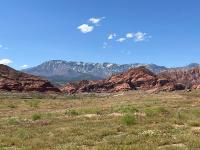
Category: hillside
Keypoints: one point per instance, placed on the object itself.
(134, 79)
(12, 80)
(190, 77)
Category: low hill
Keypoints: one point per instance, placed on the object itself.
(12, 80)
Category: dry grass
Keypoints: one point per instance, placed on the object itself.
(135, 120)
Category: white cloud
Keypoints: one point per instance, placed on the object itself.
(139, 37)
(96, 20)
(5, 61)
(121, 39)
(129, 35)
(112, 36)
(24, 66)
(85, 28)
(1, 46)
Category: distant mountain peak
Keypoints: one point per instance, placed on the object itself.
(62, 71)
(192, 65)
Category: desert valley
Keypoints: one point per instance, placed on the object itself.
(99, 75)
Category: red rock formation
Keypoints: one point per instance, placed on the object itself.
(12, 80)
(134, 79)
(188, 77)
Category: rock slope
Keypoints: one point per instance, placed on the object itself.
(134, 79)
(189, 77)
(12, 80)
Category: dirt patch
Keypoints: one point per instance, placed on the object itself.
(180, 145)
(91, 115)
(116, 114)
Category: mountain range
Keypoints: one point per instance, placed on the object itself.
(60, 71)
(136, 78)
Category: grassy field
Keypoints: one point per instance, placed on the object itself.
(135, 120)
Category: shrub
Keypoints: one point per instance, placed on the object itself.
(12, 121)
(129, 119)
(36, 116)
(11, 105)
(71, 112)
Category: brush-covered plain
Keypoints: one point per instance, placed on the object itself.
(133, 120)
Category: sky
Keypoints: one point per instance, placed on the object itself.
(118, 31)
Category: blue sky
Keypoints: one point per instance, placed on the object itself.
(119, 31)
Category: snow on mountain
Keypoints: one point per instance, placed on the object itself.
(72, 71)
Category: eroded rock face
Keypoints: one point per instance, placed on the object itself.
(12, 80)
(188, 77)
(134, 79)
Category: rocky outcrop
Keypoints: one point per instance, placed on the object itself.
(12, 80)
(188, 77)
(134, 79)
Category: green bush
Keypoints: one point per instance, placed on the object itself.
(129, 119)
(11, 105)
(71, 112)
(12, 121)
(36, 116)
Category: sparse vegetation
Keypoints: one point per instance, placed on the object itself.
(12, 121)
(36, 116)
(11, 105)
(71, 112)
(131, 121)
(33, 103)
(128, 109)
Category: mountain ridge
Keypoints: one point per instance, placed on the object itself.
(61, 71)
(57, 70)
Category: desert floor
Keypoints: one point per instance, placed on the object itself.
(133, 120)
